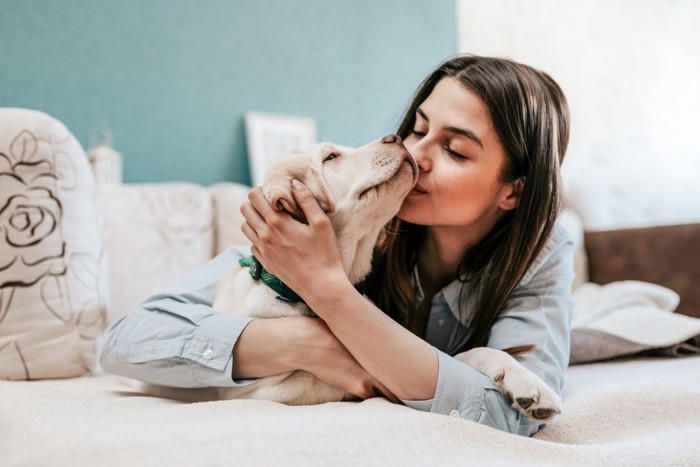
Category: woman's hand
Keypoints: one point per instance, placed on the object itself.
(273, 346)
(298, 254)
(324, 356)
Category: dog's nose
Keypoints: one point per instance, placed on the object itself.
(391, 139)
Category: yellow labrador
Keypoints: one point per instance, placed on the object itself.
(360, 190)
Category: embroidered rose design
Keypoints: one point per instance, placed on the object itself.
(30, 215)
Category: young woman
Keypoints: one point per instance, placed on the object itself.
(473, 258)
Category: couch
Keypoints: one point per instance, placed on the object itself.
(74, 257)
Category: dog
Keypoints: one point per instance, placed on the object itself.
(360, 190)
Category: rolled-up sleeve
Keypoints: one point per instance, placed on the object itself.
(538, 312)
(463, 392)
(177, 339)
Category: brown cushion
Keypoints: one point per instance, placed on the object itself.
(665, 255)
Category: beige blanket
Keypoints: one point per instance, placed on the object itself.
(644, 412)
(627, 317)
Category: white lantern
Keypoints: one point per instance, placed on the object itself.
(106, 162)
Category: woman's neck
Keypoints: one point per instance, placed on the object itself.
(440, 257)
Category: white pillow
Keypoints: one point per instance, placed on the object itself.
(53, 283)
(156, 234)
(228, 198)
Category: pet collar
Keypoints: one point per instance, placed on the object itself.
(258, 273)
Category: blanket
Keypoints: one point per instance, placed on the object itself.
(628, 317)
(638, 412)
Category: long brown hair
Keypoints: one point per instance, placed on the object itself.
(531, 118)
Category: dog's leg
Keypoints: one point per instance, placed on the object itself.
(525, 391)
(295, 388)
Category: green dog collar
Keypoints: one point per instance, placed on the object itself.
(258, 273)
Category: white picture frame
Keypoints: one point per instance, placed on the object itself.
(271, 136)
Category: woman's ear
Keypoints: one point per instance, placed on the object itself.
(511, 194)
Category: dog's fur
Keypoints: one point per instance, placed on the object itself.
(360, 190)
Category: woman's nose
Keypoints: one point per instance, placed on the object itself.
(419, 153)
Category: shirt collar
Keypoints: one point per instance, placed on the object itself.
(450, 294)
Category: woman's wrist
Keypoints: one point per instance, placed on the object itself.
(267, 347)
(327, 289)
(299, 331)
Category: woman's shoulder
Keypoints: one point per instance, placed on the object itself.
(556, 256)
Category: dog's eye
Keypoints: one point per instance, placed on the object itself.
(331, 156)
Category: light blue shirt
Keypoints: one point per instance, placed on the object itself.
(177, 339)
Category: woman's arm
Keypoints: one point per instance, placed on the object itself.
(403, 362)
(538, 312)
(176, 339)
(269, 346)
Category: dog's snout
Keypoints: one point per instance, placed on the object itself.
(391, 139)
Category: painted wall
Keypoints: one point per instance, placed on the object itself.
(631, 72)
(173, 79)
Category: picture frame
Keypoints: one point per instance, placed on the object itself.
(271, 136)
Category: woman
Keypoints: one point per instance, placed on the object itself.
(473, 258)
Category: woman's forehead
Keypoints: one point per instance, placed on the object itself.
(452, 104)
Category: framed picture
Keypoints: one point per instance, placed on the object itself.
(271, 136)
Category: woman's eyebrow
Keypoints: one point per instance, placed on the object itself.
(459, 131)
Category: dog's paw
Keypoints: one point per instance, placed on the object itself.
(527, 393)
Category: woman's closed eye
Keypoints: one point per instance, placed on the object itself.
(418, 133)
(456, 155)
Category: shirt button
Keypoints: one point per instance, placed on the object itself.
(209, 354)
(454, 413)
(440, 322)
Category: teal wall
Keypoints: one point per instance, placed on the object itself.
(172, 79)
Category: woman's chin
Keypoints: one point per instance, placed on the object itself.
(410, 213)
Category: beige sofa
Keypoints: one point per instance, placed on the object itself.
(73, 259)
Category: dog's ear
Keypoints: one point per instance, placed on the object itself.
(317, 185)
(277, 186)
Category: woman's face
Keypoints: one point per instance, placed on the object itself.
(460, 159)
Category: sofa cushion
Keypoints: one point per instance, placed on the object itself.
(664, 255)
(156, 234)
(227, 198)
(53, 278)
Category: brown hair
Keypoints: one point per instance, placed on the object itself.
(531, 118)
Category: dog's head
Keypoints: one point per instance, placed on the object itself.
(367, 184)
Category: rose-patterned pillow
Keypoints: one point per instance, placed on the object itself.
(53, 283)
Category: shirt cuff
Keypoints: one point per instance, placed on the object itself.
(209, 353)
(463, 392)
(459, 391)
